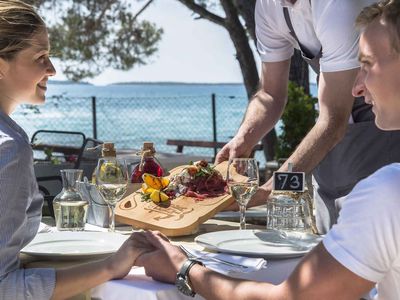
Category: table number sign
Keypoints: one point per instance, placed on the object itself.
(289, 181)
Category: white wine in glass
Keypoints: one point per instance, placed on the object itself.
(111, 181)
(242, 179)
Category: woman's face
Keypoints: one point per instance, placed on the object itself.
(24, 78)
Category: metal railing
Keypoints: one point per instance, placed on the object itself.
(128, 121)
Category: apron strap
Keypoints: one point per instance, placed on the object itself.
(303, 49)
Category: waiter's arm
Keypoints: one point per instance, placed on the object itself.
(264, 110)
(335, 104)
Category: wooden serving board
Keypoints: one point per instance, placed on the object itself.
(178, 217)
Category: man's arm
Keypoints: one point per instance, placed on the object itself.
(263, 111)
(335, 104)
(318, 276)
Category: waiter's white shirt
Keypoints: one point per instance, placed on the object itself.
(325, 23)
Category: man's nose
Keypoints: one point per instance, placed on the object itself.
(358, 86)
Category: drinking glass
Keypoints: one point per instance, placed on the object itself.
(111, 181)
(242, 179)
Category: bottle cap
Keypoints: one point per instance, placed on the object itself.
(148, 149)
(108, 150)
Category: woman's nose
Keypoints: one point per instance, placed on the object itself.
(51, 71)
(359, 86)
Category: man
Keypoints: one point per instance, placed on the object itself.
(324, 31)
(363, 249)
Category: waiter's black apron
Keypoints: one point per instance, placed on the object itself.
(363, 150)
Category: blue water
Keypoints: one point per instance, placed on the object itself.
(131, 114)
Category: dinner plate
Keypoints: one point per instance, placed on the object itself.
(259, 243)
(69, 245)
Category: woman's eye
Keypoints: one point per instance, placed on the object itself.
(42, 58)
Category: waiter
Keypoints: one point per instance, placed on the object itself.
(344, 146)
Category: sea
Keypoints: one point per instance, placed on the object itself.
(129, 114)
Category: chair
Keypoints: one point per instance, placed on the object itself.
(57, 145)
(55, 150)
(48, 197)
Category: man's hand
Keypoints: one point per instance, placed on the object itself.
(234, 148)
(161, 260)
(122, 261)
(259, 198)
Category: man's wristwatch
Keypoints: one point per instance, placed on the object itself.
(182, 280)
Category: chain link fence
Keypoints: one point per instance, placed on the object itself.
(129, 121)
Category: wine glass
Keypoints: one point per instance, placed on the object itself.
(111, 181)
(242, 180)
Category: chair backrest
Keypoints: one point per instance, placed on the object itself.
(63, 145)
(48, 197)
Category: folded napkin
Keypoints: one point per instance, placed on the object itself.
(250, 264)
(43, 228)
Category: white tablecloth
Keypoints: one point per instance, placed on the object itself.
(138, 286)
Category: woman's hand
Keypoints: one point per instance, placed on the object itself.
(121, 262)
(164, 260)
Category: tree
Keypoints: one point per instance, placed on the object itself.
(89, 36)
(238, 20)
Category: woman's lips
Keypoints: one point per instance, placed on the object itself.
(43, 87)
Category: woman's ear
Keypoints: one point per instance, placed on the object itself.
(4, 65)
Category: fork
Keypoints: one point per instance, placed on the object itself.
(214, 259)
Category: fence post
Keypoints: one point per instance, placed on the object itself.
(214, 123)
(94, 117)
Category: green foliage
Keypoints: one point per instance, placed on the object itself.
(49, 156)
(89, 36)
(298, 118)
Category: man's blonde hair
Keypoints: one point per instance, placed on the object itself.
(19, 21)
(389, 12)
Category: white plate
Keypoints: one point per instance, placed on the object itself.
(69, 245)
(268, 243)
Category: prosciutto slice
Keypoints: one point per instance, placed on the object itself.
(206, 186)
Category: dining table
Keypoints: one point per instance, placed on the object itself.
(136, 285)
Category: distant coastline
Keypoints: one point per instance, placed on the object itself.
(174, 83)
(68, 82)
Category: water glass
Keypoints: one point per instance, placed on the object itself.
(289, 211)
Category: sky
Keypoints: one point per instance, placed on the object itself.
(190, 51)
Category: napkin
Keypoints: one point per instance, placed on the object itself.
(252, 264)
(43, 228)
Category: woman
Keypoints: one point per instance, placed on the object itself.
(24, 71)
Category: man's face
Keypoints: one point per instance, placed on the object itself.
(379, 77)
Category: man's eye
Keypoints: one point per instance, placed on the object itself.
(365, 63)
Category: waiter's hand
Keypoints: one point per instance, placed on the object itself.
(234, 148)
(259, 198)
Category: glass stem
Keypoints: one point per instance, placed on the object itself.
(112, 224)
(242, 217)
